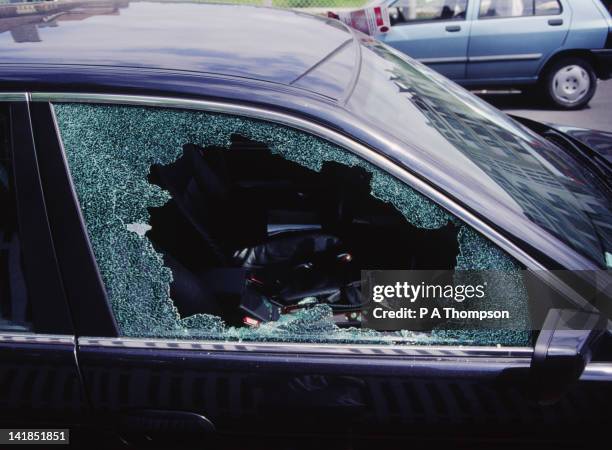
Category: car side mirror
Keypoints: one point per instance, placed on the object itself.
(563, 349)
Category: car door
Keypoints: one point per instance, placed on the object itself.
(150, 371)
(39, 381)
(510, 39)
(435, 32)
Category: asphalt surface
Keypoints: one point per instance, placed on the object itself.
(597, 116)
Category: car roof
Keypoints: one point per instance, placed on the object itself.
(263, 44)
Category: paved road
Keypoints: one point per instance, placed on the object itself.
(598, 115)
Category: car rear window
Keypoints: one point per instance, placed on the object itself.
(546, 7)
(518, 8)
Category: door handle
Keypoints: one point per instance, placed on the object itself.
(555, 22)
(453, 28)
(151, 420)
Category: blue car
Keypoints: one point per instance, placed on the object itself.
(560, 47)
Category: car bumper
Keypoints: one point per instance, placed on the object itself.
(603, 63)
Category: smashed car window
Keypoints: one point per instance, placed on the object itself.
(213, 226)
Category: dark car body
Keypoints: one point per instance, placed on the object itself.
(75, 370)
(599, 141)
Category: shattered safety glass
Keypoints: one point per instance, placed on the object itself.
(175, 203)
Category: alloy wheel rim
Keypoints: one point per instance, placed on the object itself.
(571, 84)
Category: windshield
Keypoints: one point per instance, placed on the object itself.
(481, 153)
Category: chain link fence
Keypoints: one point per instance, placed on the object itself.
(299, 4)
(316, 6)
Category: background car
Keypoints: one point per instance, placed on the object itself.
(187, 205)
(560, 47)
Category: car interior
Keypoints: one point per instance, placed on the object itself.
(249, 235)
(505, 8)
(405, 12)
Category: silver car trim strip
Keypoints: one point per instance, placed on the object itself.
(462, 59)
(519, 57)
(328, 349)
(13, 96)
(450, 59)
(597, 372)
(33, 338)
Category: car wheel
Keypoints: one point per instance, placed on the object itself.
(571, 83)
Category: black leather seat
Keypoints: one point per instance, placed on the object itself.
(288, 248)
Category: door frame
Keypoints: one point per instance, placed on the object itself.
(103, 324)
(105, 358)
(41, 382)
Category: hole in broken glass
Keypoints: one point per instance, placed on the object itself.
(259, 241)
(250, 236)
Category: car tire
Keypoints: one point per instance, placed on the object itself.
(570, 83)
